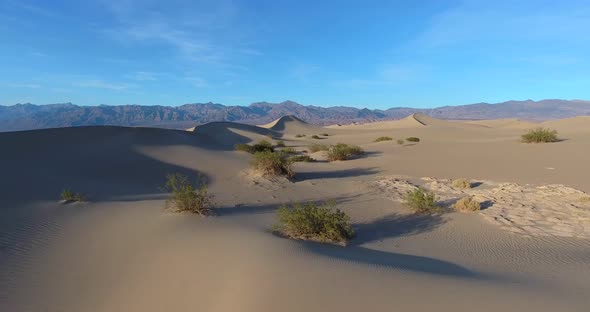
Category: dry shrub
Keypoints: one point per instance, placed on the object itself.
(301, 158)
(413, 139)
(185, 197)
(272, 164)
(316, 147)
(383, 138)
(422, 201)
(343, 151)
(467, 204)
(69, 196)
(461, 184)
(540, 135)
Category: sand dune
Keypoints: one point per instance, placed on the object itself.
(529, 250)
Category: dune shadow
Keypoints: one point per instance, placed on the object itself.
(475, 184)
(395, 225)
(486, 204)
(313, 175)
(397, 261)
(219, 135)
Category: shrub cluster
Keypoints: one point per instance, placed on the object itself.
(325, 134)
(312, 222)
(315, 136)
(289, 150)
(383, 138)
(68, 195)
(422, 201)
(185, 197)
(315, 147)
(413, 139)
(280, 143)
(262, 146)
(343, 151)
(461, 184)
(269, 163)
(540, 135)
(467, 204)
(301, 158)
(300, 135)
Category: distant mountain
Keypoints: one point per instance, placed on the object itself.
(30, 116)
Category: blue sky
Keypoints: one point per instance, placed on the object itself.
(375, 54)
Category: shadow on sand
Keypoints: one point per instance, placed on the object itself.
(356, 172)
(395, 225)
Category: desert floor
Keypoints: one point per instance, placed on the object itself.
(528, 250)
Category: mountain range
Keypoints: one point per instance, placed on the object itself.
(29, 116)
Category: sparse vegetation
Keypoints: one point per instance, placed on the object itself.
(315, 147)
(422, 201)
(289, 150)
(310, 221)
(383, 138)
(400, 141)
(185, 197)
(343, 151)
(325, 134)
(280, 143)
(413, 139)
(302, 158)
(300, 135)
(315, 136)
(69, 196)
(467, 204)
(540, 135)
(585, 199)
(261, 146)
(269, 163)
(461, 184)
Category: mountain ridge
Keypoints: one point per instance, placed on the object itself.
(28, 116)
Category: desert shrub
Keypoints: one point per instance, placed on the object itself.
(400, 141)
(413, 139)
(461, 184)
(315, 147)
(315, 136)
(383, 138)
(280, 143)
(421, 201)
(585, 199)
(540, 135)
(325, 134)
(272, 164)
(289, 150)
(343, 151)
(68, 195)
(467, 204)
(314, 222)
(300, 135)
(301, 158)
(185, 197)
(261, 146)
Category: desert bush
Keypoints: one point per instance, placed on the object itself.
(585, 199)
(461, 184)
(272, 164)
(244, 148)
(301, 158)
(310, 221)
(288, 150)
(343, 151)
(383, 138)
(300, 135)
(400, 141)
(185, 197)
(413, 139)
(315, 147)
(325, 134)
(467, 204)
(315, 136)
(280, 143)
(421, 201)
(68, 195)
(261, 146)
(540, 135)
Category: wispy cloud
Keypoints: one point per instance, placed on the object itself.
(21, 85)
(304, 71)
(197, 82)
(32, 9)
(144, 76)
(100, 84)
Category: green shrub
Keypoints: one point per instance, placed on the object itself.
(244, 148)
(300, 135)
(421, 201)
(261, 146)
(309, 221)
(315, 147)
(383, 138)
(272, 164)
(185, 197)
(281, 143)
(467, 204)
(302, 158)
(68, 195)
(461, 184)
(343, 151)
(289, 150)
(540, 135)
(315, 137)
(400, 141)
(413, 139)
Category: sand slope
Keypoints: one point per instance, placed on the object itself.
(120, 252)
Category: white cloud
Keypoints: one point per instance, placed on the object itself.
(144, 76)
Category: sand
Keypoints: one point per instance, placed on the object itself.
(529, 250)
